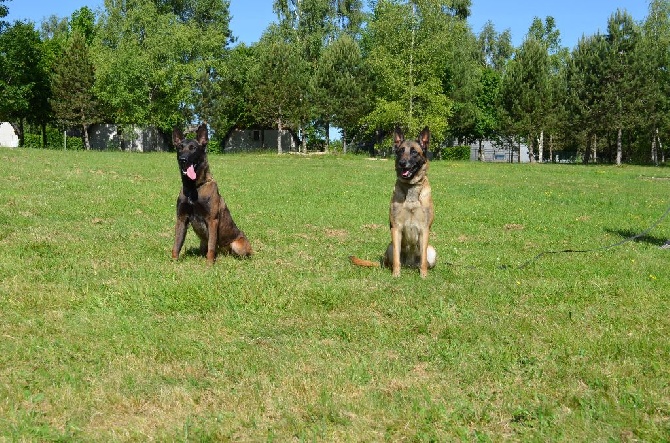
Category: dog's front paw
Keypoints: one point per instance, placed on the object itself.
(211, 256)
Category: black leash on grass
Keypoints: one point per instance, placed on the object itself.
(602, 248)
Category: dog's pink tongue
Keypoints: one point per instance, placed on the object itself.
(406, 174)
(190, 172)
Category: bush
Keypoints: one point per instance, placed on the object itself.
(454, 153)
(32, 140)
(73, 143)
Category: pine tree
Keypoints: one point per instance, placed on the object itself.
(73, 102)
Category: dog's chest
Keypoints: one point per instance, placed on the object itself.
(199, 225)
(409, 206)
(199, 211)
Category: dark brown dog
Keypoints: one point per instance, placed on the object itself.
(411, 212)
(200, 204)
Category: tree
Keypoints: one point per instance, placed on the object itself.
(585, 86)
(550, 37)
(309, 25)
(83, 23)
(621, 79)
(409, 67)
(3, 13)
(463, 83)
(655, 65)
(24, 85)
(495, 48)
(524, 90)
(494, 52)
(150, 57)
(278, 82)
(73, 101)
(340, 86)
(225, 101)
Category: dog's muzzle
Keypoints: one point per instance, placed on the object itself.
(188, 169)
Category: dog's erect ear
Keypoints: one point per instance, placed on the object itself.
(201, 135)
(398, 137)
(177, 136)
(424, 139)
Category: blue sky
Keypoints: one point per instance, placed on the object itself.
(250, 17)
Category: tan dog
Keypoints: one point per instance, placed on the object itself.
(200, 204)
(411, 212)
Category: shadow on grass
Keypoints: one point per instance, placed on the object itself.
(649, 239)
(192, 252)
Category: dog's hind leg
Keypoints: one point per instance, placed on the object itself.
(203, 246)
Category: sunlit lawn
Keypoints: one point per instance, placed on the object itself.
(104, 338)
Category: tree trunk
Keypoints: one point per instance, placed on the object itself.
(654, 152)
(540, 147)
(279, 129)
(84, 136)
(587, 150)
(660, 147)
(480, 152)
(551, 148)
(303, 141)
(531, 150)
(619, 147)
(344, 141)
(325, 149)
(595, 149)
(44, 135)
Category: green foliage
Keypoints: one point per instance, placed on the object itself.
(525, 88)
(105, 338)
(83, 23)
(32, 141)
(226, 100)
(452, 153)
(23, 79)
(279, 82)
(149, 59)
(340, 86)
(327, 63)
(406, 66)
(73, 102)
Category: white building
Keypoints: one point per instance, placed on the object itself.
(8, 137)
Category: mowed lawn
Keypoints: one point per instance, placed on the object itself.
(104, 338)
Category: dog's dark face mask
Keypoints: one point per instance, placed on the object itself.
(410, 154)
(191, 154)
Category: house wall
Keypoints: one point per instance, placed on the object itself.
(256, 139)
(8, 137)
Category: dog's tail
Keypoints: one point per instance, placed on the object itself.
(366, 263)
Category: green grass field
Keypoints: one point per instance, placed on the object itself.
(104, 338)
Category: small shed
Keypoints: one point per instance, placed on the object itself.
(254, 139)
(498, 151)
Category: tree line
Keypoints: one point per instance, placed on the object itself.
(363, 69)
